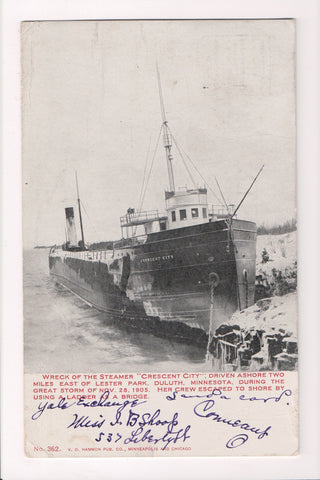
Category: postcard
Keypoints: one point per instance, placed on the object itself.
(159, 226)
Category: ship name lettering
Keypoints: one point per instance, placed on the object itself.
(156, 259)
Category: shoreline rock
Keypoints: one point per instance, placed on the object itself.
(264, 336)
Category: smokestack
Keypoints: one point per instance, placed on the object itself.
(71, 227)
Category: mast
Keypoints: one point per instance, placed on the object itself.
(166, 137)
(244, 196)
(80, 216)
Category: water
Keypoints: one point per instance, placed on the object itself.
(63, 334)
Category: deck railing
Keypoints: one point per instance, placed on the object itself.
(97, 255)
(220, 211)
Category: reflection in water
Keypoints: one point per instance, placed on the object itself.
(63, 334)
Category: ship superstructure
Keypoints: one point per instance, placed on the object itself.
(165, 264)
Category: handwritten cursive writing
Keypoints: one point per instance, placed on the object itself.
(152, 426)
(171, 433)
(85, 421)
(286, 393)
(148, 419)
(237, 440)
(63, 404)
(102, 402)
(216, 392)
(167, 438)
(204, 410)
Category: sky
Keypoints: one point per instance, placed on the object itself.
(90, 103)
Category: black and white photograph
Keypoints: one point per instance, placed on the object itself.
(159, 196)
(160, 242)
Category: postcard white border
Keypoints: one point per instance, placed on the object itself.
(14, 463)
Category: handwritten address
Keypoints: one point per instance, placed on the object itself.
(135, 422)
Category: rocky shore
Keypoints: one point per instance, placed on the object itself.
(264, 336)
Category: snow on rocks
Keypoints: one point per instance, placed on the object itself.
(264, 336)
(270, 315)
(276, 252)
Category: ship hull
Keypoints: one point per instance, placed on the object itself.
(184, 275)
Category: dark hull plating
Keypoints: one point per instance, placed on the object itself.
(168, 275)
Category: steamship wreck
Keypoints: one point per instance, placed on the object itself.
(193, 264)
